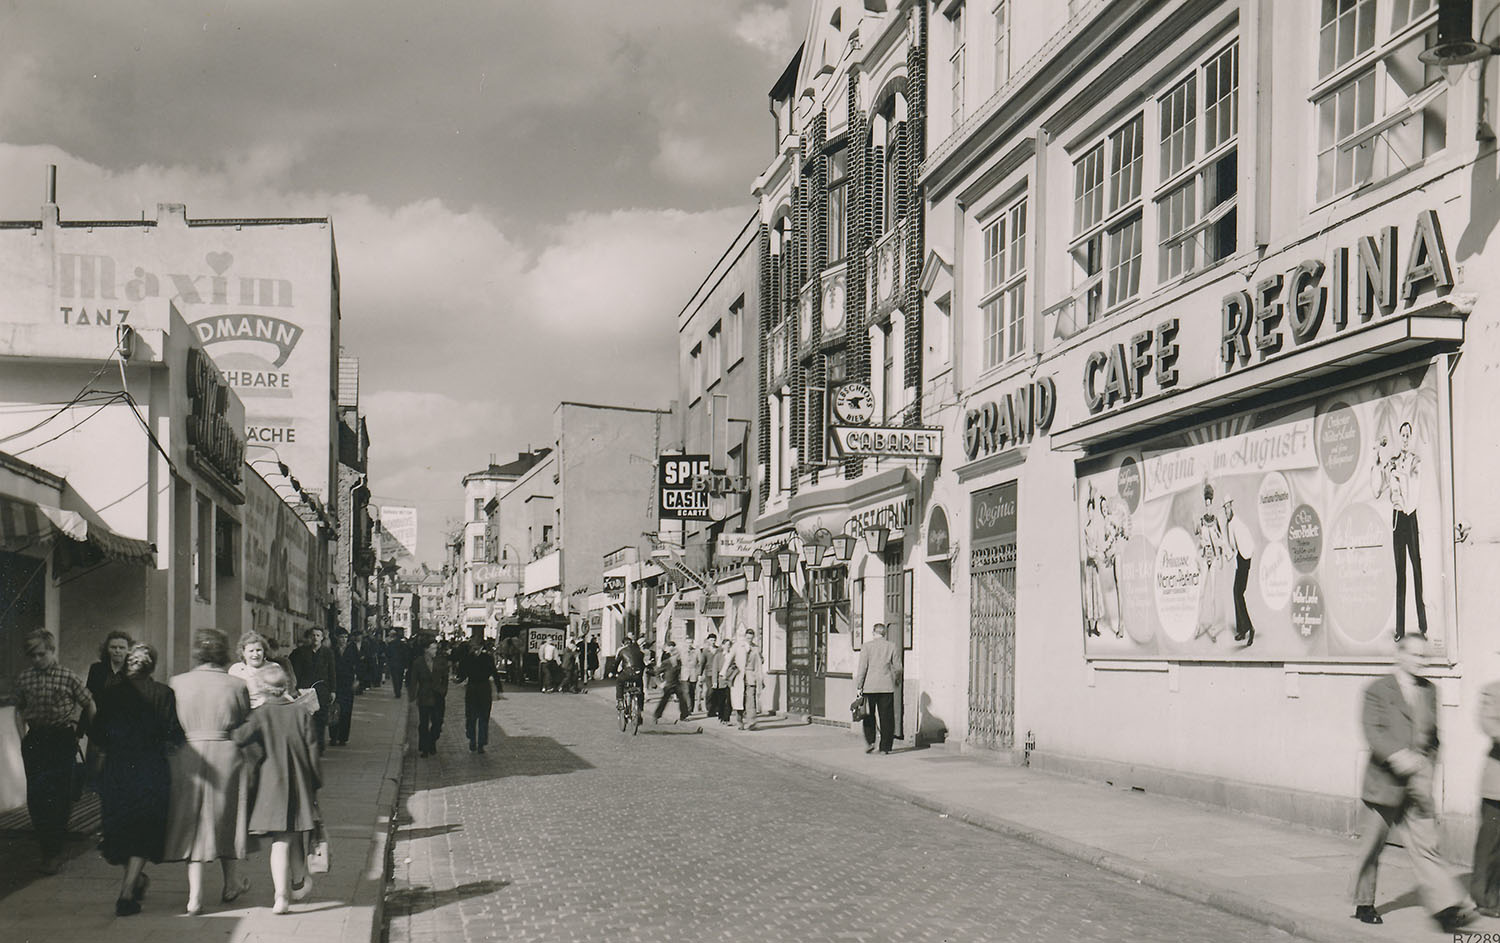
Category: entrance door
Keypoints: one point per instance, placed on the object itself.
(992, 658)
(818, 689)
(896, 627)
(799, 659)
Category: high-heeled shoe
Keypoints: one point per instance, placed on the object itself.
(231, 895)
(194, 908)
(300, 891)
(126, 907)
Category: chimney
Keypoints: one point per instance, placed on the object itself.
(49, 208)
(175, 213)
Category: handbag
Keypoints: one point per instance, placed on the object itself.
(321, 855)
(859, 709)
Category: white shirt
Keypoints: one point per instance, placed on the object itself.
(548, 652)
(1241, 540)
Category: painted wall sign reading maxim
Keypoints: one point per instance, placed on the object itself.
(1011, 419)
(1313, 294)
(95, 277)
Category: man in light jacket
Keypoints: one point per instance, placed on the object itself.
(876, 678)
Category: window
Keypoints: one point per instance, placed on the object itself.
(1199, 166)
(478, 509)
(478, 549)
(1380, 109)
(1107, 217)
(956, 66)
(938, 338)
(734, 348)
(885, 134)
(203, 551)
(1002, 299)
(713, 355)
(1001, 19)
(889, 384)
(837, 205)
(695, 373)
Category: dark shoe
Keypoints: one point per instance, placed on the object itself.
(479, 749)
(230, 895)
(471, 746)
(125, 907)
(1400, 635)
(869, 748)
(1452, 919)
(1365, 913)
(1249, 638)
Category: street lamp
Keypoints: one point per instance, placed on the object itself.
(1456, 48)
(843, 547)
(812, 553)
(875, 537)
(786, 558)
(752, 570)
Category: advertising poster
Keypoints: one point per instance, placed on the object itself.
(1305, 532)
(677, 498)
(280, 564)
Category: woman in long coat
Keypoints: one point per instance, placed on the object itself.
(286, 804)
(135, 727)
(207, 815)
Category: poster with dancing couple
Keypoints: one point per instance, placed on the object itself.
(1305, 531)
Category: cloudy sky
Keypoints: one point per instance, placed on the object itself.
(544, 182)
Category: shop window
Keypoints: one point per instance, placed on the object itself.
(1002, 301)
(1379, 108)
(203, 550)
(1196, 194)
(836, 204)
(1107, 218)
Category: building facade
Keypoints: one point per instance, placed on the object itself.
(843, 465)
(1220, 307)
(479, 548)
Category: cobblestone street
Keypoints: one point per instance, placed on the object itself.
(567, 829)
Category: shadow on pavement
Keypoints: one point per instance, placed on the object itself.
(430, 831)
(421, 898)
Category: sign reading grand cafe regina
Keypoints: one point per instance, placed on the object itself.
(1293, 530)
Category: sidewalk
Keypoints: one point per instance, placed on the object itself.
(1288, 877)
(357, 799)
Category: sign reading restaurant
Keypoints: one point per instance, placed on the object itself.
(1281, 312)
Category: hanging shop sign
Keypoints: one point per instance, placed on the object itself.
(992, 528)
(1144, 365)
(939, 540)
(715, 607)
(614, 588)
(685, 607)
(215, 447)
(1280, 313)
(735, 545)
(1301, 525)
(1012, 419)
(677, 499)
(897, 442)
(853, 404)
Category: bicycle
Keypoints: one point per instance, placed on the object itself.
(631, 708)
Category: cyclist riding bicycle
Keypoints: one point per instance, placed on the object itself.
(630, 664)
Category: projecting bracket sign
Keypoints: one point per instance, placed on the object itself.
(894, 441)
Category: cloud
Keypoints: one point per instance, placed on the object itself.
(767, 28)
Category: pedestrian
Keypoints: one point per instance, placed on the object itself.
(398, 656)
(312, 664)
(428, 686)
(106, 671)
(876, 679)
(478, 671)
(252, 649)
(274, 655)
(206, 814)
(135, 727)
(285, 807)
(1484, 884)
(703, 655)
(53, 707)
(1400, 725)
(744, 686)
(724, 668)
(593, 656)
(569, 657)
(670, 675)
(691, 671)
(346, 661)
(547, 665)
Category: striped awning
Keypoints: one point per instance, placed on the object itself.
(26, 524)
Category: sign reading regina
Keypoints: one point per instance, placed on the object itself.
(920, 442)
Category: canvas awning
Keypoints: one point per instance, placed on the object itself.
(25, 524)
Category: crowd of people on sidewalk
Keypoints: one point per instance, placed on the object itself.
(219, 762)
(713, 677)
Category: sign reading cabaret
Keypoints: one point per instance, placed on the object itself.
(899, 442)
(214, 446)
(1299, 522)
(1281, 312)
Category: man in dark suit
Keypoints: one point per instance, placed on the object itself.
(312, 662)
(427, 684)
(1400, 721)
(1484, 885)
(876, 679)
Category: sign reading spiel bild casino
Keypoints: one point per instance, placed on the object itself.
(1318, 524)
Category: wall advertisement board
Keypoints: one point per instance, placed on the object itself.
(1317, 523)
(282, 564)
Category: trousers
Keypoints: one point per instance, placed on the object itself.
(1405, 541)
(881, 706)
(430, 725)
(1437, 885)
(1484, 885)
(1242, 624)
(47, 755)
(669, 691)
(477, 717)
